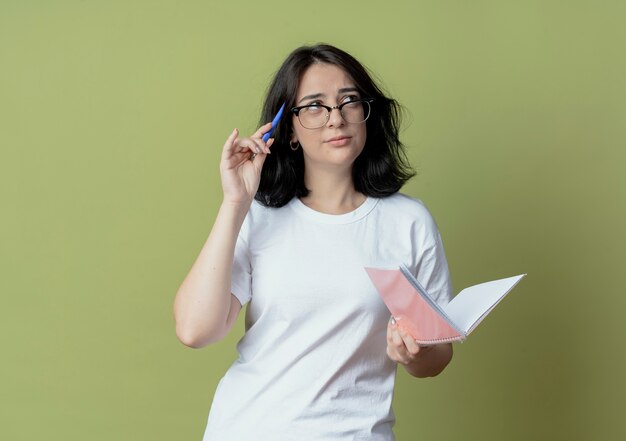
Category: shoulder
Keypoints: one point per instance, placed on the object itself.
(259, 212)
(261, 218)
(405, 211)
(399, 204)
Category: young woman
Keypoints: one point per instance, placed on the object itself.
(302, 215)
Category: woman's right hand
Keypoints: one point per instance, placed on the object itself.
(241, 164)
(205, 308)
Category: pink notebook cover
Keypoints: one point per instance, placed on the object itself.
(410, 309)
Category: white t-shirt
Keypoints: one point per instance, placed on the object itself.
(312, 364)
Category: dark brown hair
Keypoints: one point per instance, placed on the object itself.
(382, 167)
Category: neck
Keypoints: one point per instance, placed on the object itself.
(331, 193)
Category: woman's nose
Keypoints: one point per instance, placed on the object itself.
(335, 119)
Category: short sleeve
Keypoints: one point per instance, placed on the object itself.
(431, 265)
(241, 276)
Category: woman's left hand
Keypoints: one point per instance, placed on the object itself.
(419, 361)
(401, 347)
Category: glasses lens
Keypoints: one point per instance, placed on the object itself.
(355, 112)
(313, 117)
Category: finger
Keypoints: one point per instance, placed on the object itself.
(409, 342)
(262, 145)
(390, 328)
(235, 155)
(399, 339)
(393, 336)
(262, 130)
(258, 160)
(397, 355)
(396, 339)
(255, 145)
(230, 145)
(392, 354)
(259, 145)
(235, 161)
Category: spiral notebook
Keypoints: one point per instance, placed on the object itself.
(425, 320)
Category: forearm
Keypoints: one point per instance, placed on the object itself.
(430, 361)
(203, 301)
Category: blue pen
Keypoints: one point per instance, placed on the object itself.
(275, 122)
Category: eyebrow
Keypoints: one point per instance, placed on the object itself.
(321, 95)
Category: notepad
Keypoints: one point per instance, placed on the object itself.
(423, 318)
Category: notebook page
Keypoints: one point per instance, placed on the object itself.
(472, 304)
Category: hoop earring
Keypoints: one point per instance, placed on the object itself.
(294, 145)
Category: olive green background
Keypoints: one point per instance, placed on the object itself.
(113, 114)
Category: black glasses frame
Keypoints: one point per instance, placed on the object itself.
(296, 110)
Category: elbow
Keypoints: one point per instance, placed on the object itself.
(190, 340)
(197, 329)
(195, 339)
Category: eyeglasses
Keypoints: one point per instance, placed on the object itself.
(314, 116)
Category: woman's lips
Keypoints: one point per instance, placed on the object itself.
(339, 141)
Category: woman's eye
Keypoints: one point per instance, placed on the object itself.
(350, 98)
(313, 107)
